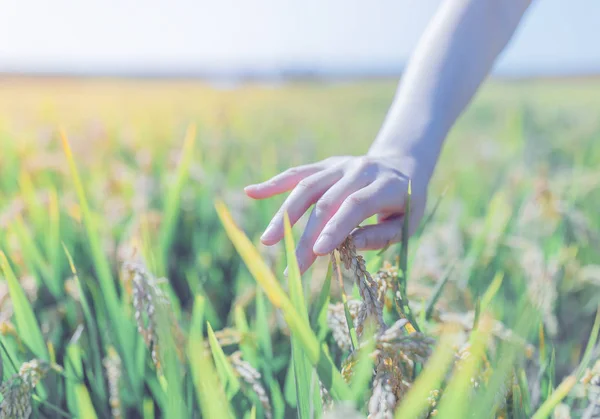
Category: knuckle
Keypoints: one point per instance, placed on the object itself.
(323, 206)
(359, 204)
(305, 184)
(365, 163)
(357, 201)
(393, 183)
(292, 171)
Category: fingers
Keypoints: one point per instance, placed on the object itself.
(306, 193)
(378, 236)
(324, 209)
(379, 197)
(283, 182)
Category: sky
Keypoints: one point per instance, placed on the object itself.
(110, 36)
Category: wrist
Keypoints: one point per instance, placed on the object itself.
(417, 159)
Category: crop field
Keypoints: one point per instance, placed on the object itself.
(133, 283)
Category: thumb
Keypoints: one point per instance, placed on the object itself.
(378, 236)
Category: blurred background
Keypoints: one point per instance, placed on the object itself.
(270, 84)
(269, 39)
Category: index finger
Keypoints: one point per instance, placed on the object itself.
(282, 182)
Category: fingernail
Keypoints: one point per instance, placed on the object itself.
(269, 233)
(322, 245)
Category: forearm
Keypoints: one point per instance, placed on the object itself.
(451, 60)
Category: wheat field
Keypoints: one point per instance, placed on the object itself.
(133, 283)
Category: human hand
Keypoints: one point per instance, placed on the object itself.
(346, 191)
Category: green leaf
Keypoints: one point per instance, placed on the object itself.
(84, 402)
(363, 370)
(302, 367)
(29, 328)
(247, 345)
(507, 355)
(437, 292)
(587, 355)
(226, 373)
(277, 400)
(209, 389)
(415, 401)
(328, 373)
(261, 325)
(124, 329)
(455, 402)
(168, 352)
(401, 297)
(173, 200)
(27, 191)
(347, 315)
(524, 387)
(92, 330)
(53, 243)
(148, 409)
(289, 387)
(74, 368)
(33, 256)
(561, 392)
(322, 302)
(492, 290)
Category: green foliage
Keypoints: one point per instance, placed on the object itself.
(503, 271)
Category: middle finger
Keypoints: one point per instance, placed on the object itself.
(324, 209)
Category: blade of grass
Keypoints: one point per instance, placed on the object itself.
(437, 292)
(10, 352)
(524, 386)
(561, 392)
(550, 373)
(29, 328)
(542, 344)
(92, 330)
(347, 315)
(508, 354)
(322, 301)
(401, 297)
(289, 387)
(434, 210)
(84, 402)
(492, 290)
(124, 330)
(226, 373)
(27, 190)
(55, 409)
(301, 364)
(261, 326)
(209, 390)
(148, 409)
(455, 402)
(516, 400)
(247, 345)
(362, 372)
(261, 329)
(158, 394)
(587, 355)
(415, 402)
(31, 253)
(53, 242)
(170, 365)
(72, 368)
(173, 200)
(328, 373)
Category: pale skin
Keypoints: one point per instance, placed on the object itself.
(452, 59)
